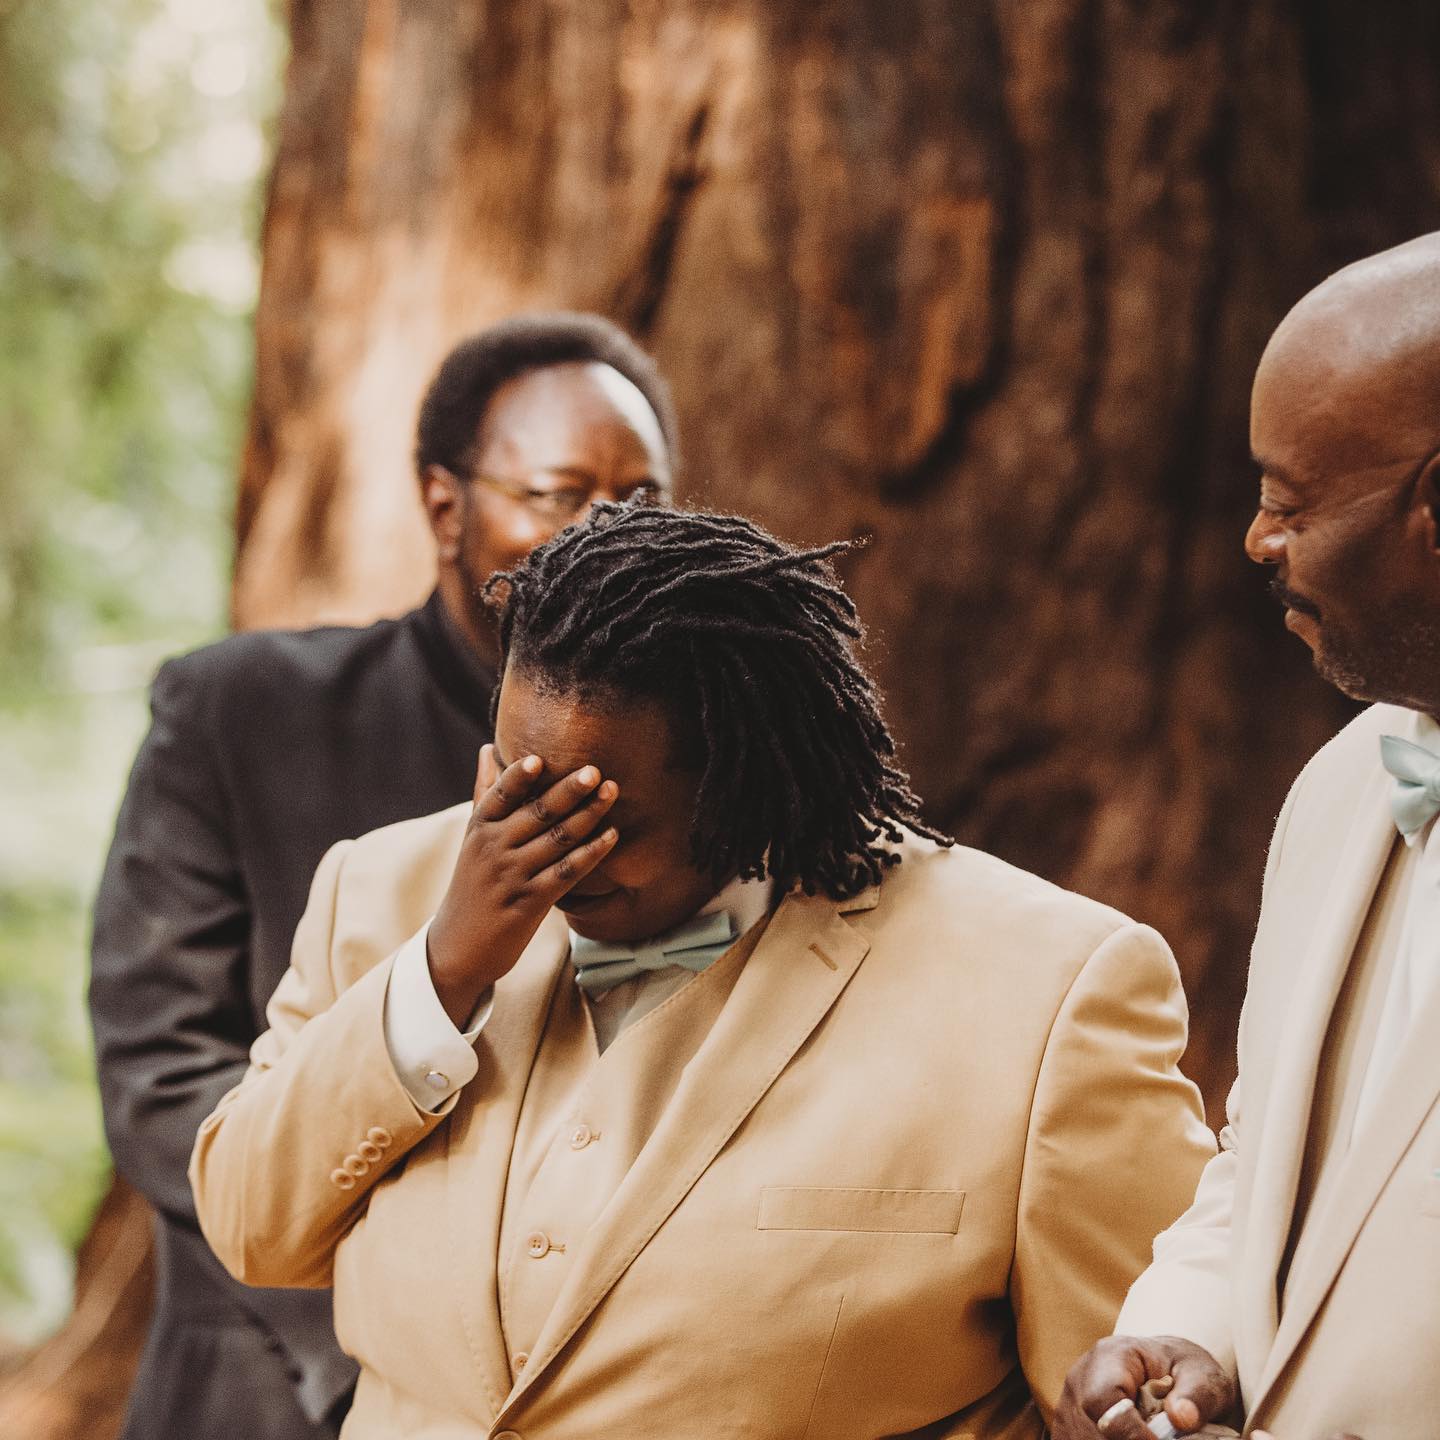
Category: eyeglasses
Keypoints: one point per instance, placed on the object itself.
(567, 502)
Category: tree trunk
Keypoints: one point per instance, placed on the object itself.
(983, 281)
(77, 1382)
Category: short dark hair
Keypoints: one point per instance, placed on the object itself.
(749, 644)
(469, 376)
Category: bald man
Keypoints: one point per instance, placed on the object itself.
(1299, 1297)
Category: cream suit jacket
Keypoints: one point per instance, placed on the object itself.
(915, 1164)
(1356, 1346)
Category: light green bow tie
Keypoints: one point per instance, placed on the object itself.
(697, 943)
(1415, 795)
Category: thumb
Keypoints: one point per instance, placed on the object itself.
(1201, 1391)
(486, 772)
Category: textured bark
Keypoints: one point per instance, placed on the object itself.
(76, 1383)
(982, 282)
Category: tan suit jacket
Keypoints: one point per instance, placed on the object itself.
(913, 1166)
(1354, 1347)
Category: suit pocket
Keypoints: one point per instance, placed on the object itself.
(884, 1212)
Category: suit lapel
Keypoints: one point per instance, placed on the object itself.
(803, 961)
(481, 1135)
(1408, 1096)
(1281, 1139)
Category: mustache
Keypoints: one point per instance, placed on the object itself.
(1287, 597)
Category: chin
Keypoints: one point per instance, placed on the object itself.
(1347, 676)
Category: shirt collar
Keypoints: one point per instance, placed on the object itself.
(747, 901)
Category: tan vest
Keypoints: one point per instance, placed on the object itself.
(584, 1120)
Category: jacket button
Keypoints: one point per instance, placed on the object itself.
(342, 1180)
(581, 1137)
(368, 1150)
(378, 1135)
(538, 1245)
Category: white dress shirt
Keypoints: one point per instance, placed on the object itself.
(434, 1059)
(1417, 965)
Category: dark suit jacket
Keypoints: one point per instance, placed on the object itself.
(264, 750)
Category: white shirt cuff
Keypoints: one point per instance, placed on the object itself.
(432, 1058)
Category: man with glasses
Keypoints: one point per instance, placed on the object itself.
(264, 750)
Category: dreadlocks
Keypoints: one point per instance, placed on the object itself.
(749, 646)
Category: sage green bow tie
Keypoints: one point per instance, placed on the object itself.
(696, 944)
(1415, 795)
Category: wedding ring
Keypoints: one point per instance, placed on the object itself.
(1114, 1413)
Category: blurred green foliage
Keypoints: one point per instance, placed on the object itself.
(132, 144)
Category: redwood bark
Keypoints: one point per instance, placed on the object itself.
(982, 281)
(76, 1383)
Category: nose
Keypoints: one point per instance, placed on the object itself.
(1265, 539)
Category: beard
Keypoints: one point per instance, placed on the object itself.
(1396, 661)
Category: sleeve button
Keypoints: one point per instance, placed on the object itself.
(356, 1166)
(378, 1135)
(368, 1150)
(342, 1180)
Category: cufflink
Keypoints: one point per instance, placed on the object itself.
(438, 1080)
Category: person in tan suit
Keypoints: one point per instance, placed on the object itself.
(688, 1085)
(1299, 1292)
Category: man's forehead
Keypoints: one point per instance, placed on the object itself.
(1318, 416)
(567, 731)
(565, 404)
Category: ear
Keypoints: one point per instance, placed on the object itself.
(444, 497)
(1427, 497)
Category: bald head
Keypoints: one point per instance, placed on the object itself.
(1345, 427)
(1361, 354)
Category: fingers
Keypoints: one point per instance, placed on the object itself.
(574, 865)
(504, 793)
(1120, 1420)
(1202, 1389)
(486, 772)
(565, 834)
(546, 809)
(1102, 1388)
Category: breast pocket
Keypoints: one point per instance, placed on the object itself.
(878, 1212)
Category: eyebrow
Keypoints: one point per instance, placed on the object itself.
(1270, 468)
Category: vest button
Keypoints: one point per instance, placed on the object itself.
(520, 1361)
(582, 1136)
(538, 1245)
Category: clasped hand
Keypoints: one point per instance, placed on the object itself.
(526, 844)
(1116, 1369)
